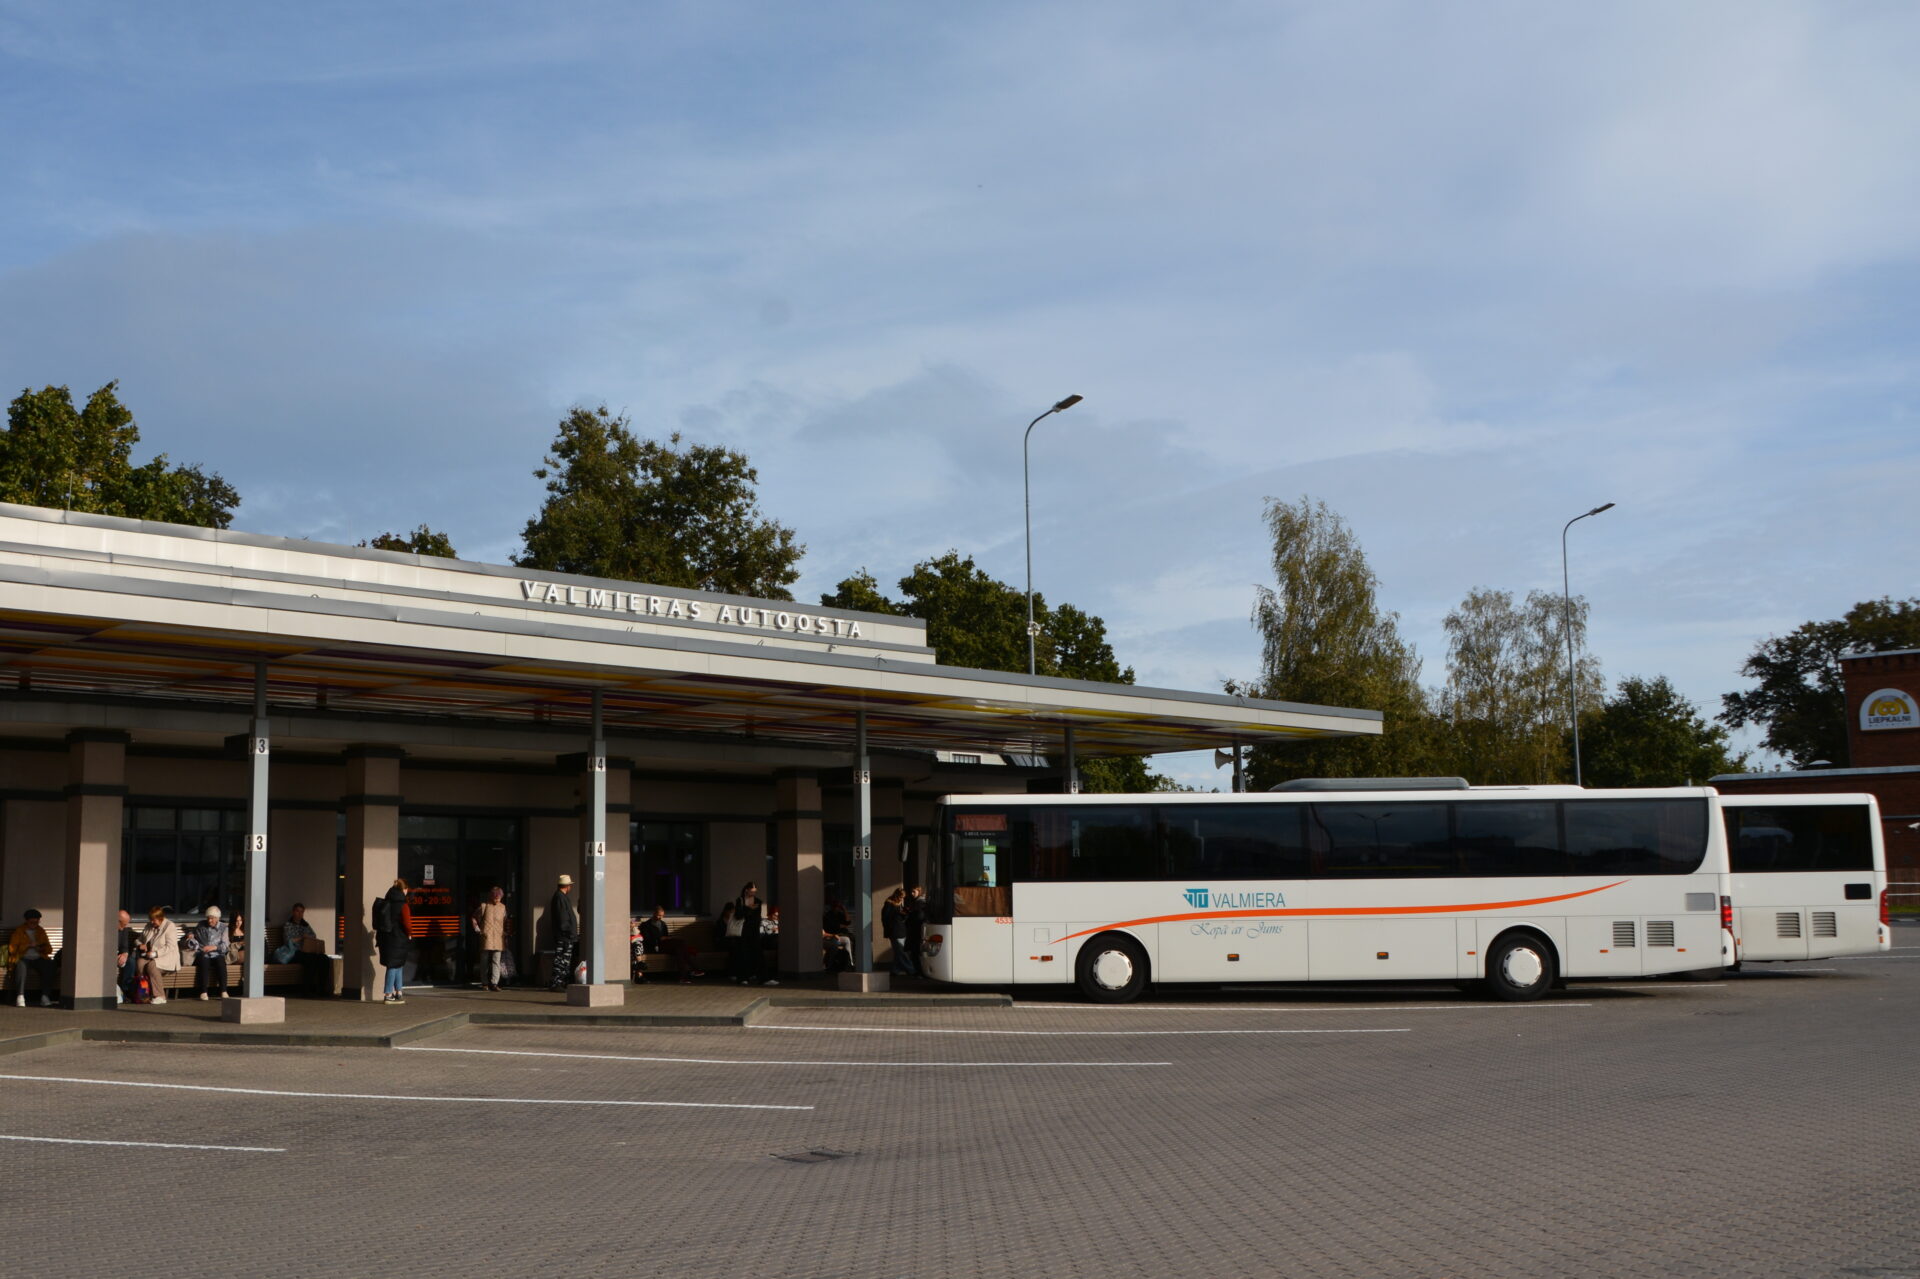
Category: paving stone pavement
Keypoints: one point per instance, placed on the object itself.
(1765, 1126)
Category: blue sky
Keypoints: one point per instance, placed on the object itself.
(1462, 271)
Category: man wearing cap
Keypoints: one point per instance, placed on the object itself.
(30, 947)
(566, 932)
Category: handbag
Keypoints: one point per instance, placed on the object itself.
(286, 953)
(736, 927)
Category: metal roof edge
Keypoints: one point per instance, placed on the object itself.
(309, 546)
(1815, 773)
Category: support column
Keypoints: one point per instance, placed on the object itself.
(596, 991)
(373, 859)
(257, 1005)
(863, 843)
(1239, 771)
(1071, 782)
(799, 868)
(96, 791)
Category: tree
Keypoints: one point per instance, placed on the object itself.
(1647, 734)
(1801, 701)
(422, 541)
(642, 511)
(54, 455)
(1325, 641)
(1505, 702)
(977, 621)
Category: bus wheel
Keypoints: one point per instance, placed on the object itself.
(1520, 967)
(1112, 970)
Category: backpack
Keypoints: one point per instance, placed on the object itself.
(383, 920)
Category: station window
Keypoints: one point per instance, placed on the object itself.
(185, 859)
(669, 867)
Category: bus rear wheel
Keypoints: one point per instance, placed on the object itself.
(1112, 970)
(1520, 968)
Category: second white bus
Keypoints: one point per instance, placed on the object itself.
(1809, 876)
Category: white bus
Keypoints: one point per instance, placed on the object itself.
(1422, 879)
(1809, 876)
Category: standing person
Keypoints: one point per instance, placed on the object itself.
(565, 916)
(893, 922)
(748, 954)
(126, 959)
(916, 926)
(490, 921)
(302, 946)
(159, 948)
(209, 942)
(31, 949)
(393, 933)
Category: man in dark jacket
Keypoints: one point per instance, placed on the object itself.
(893, 922)
(565, 915)
(126, 960)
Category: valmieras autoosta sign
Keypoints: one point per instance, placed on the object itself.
(672, 608)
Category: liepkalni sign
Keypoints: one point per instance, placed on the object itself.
(1888, 708)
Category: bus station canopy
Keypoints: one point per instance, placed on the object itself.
(99, 608)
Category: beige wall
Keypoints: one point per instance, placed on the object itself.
(35, 875)
(301, 868)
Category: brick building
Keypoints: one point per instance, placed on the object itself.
(1883, 759)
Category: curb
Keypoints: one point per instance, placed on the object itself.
(45, 1039)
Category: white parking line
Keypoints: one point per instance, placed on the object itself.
(1056, 1034)
(722, 1061)
(148, 1145)
(1264, 1008)
(374, 1096)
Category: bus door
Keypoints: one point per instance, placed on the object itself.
(1390, 856)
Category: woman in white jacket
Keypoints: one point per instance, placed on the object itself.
(159, 951)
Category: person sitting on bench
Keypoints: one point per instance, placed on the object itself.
(30, 949)
(159, 947)
(655, 940)
(209, 943)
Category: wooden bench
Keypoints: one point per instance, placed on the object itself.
(697, 934)
(183, 977)
(272, 974)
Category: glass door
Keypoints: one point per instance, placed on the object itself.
(450, 864)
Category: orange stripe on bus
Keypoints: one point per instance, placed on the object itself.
(1339, 910)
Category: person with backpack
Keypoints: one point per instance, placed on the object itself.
(893, 922)
(393, 933)
(566, 932)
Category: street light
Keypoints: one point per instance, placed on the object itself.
(1573, 674)
(1026, 481)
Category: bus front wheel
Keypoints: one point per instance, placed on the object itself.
(1112, 970)
(1520, 967)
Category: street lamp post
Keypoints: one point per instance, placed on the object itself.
(1573, 672)
(1026, 481)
